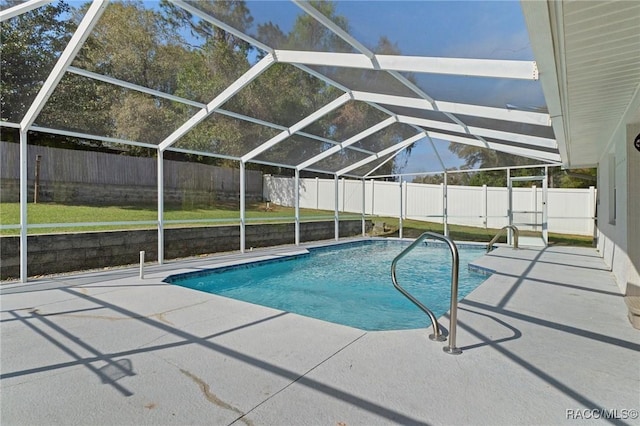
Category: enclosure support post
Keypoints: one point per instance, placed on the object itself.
(336, 218)
(509, 206)
(484, 206)
(445, 206)
(592, 214)
(242, 207)
(344, 194)
(534, 207)
(23, 206)
(406, 199)
(545, 216)
(297, 206)
(160, 207)
(400, 213)
(364, 193)
(373, 196)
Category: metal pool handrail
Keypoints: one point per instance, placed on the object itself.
(455, 263)
(515, 237)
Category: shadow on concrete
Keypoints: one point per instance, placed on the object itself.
(548, 378)
(516, 334)
(603, 338)
(190, 339)
(45, 331)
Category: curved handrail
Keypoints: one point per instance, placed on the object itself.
(455, 263)
(515, 237)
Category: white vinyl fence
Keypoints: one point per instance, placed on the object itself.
(570, 211)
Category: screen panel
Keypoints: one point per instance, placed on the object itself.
(90, 106)
(426, 28)
(224, 135)
(340, 160)
(346, 121)
(282, 95)
(391, 135)
(294, 150)
(366, 80)
(158, 46)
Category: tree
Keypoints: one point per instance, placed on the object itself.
(232, 12)
(452, 178)
(31, 43)
(576, 178)
(484, 158)
(309, 34)
(476, 157)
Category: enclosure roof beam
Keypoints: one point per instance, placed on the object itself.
(9, 124)
(368, 132)
(335, 104)
(534, 141)
(484, 169)
(203, 154)
(384, 152)
(21, 8)
(71, 50)
(509, 149)
(226, 94)
(218, 23)
(132, 86)
(80, 135)
(505, 114)
(521, 70)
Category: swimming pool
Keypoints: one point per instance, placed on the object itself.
(348, 283)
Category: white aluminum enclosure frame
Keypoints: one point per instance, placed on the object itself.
(226, 94)
(365, 133)
(504, 114)
(520, 70)
(21, 8)
(542, 149)
(533, 141)
(333, 105)
(82, 32)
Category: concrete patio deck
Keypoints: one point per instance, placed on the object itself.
(545, 339)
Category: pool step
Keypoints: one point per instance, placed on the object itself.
(633, 303)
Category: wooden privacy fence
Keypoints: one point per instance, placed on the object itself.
(99, 168)
(570, 211)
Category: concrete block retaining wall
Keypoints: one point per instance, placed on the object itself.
(58, 253)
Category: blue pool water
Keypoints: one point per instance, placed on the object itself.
(348, 284)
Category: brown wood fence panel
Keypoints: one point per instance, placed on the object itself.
(89, 167)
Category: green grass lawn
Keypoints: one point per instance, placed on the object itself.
(224, 214)
(44, 213)
(414, 228)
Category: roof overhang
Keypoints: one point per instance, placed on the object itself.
(588, 56)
